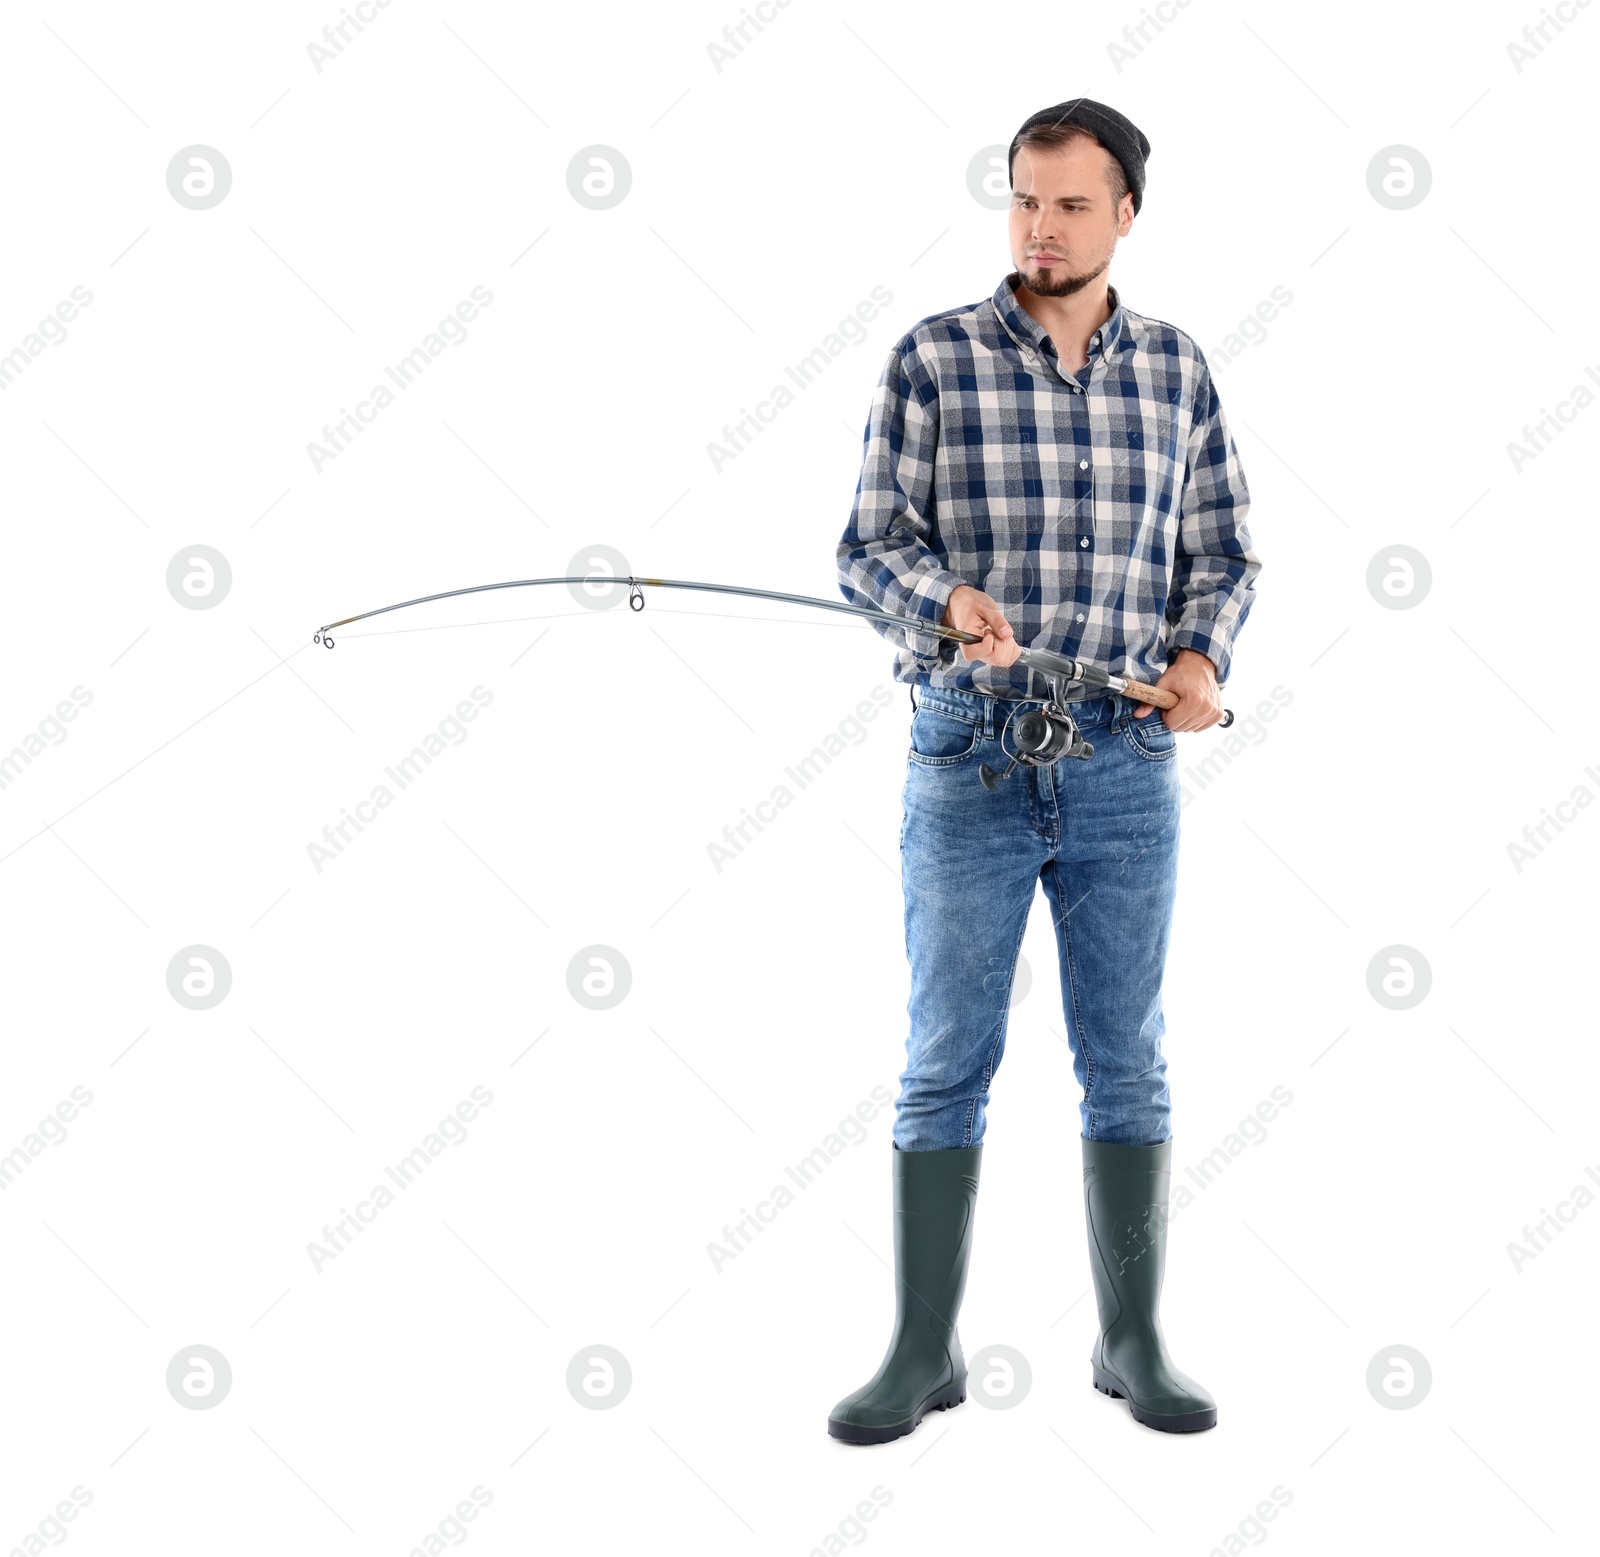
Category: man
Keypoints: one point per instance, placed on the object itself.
(1047, 468)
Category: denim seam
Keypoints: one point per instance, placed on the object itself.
(973, 717)
(1133, 736)
(1077, 1015)
(1000, 1029)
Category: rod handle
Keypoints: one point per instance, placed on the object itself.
(1140, 693)
(1161, 698)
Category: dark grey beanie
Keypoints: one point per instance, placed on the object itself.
(1118, 134)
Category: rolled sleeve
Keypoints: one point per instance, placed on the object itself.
(1214, 571)
(884, 557)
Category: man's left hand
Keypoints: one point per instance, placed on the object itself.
(1193, 678)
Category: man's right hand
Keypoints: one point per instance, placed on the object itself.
(973, 611)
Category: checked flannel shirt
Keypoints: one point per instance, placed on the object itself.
(1104, 511)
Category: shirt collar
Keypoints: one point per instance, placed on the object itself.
(1028, 333)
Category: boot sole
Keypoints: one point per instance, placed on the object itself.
(1187, 1422)
(853, 1432)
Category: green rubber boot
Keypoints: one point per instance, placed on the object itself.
(1125, 1208)
(923, 1370)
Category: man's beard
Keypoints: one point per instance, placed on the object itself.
(1052, 282)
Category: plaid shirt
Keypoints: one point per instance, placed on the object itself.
(1104, 511)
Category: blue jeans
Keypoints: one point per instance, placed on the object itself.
(1102, 835)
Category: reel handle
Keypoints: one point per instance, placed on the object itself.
(990, 779)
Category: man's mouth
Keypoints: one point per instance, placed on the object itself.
(1047, 260)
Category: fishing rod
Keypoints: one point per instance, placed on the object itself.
(1044, 736)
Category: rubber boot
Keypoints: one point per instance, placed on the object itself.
(1125, 1208)
(935, 1193)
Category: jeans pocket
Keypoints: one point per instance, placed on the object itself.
(1150, 738)
(939, 740)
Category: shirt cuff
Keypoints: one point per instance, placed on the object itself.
(932, 594)
(933, 591)
(1207, 638)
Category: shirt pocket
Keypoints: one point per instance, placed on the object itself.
(1156, 442)
(1147, 468)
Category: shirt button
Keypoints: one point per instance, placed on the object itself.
(1084, 541)
(1083, 464)
(1080, 616)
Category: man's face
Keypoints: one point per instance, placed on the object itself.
(1064, 227)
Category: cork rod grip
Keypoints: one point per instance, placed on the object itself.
(1159, 696)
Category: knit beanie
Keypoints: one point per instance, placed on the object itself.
(1118, 134)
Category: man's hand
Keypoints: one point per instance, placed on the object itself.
(974, 612)
(1194, 679)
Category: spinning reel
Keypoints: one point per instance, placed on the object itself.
(1043, 736)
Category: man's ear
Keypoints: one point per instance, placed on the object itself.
(1125, 216)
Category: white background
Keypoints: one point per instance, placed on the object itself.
(767, 999)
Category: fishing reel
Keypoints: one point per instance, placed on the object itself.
(1043, 736)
